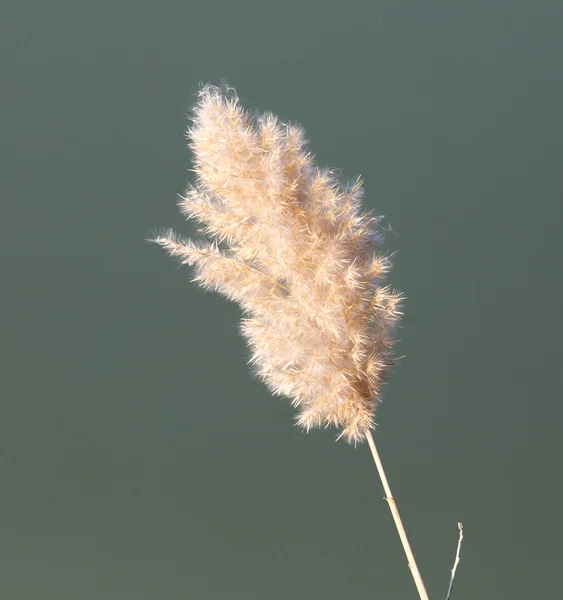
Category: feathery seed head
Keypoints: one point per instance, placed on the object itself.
(296, 251)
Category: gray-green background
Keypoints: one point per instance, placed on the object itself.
(138, 457)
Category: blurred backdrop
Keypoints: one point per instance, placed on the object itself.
(139, 459)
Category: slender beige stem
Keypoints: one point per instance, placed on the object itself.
(456, 562)
(397, 518)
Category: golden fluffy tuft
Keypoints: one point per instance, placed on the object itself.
(295, 250)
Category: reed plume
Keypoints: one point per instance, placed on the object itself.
(294, 248)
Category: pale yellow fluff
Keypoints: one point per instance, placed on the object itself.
(295, 249)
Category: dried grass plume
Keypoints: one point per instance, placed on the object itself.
(294, 248)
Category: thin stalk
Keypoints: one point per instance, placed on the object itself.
(456, 562)
(397, 518)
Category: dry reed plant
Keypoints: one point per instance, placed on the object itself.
(294, 248)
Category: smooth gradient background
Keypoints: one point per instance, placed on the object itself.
(139, 459)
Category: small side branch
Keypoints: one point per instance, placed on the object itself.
(456, 562)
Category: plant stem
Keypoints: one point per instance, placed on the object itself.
(456, 562)
(397, 518)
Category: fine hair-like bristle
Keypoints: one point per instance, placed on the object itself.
(293, 247)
